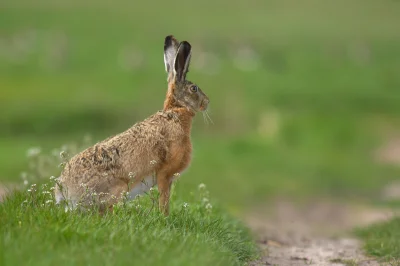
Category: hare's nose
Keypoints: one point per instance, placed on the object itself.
(204, 104)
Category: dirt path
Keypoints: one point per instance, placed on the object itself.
(317, 233)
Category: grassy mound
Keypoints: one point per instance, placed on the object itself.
(35, 231)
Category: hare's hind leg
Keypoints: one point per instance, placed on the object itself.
(164, 187)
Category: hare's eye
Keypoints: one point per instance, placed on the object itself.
(194, 88)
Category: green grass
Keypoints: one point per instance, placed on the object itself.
(326, 74)
(383, 240)
(34, 231)
(304, 123)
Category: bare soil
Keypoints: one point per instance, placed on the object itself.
(316, 233)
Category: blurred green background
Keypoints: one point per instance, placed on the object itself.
(302, 92)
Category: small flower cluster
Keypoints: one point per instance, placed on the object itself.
(41, 196)
(32, 189)
(176, 176)
(204, 195)
(42, 165)
(63, 155)
(132, 175)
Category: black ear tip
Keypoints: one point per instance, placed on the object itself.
(168, 40)
(186, 44)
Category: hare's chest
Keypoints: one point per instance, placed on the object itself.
(179, 157)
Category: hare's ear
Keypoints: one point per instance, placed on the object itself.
(182, 61)
(170, 47)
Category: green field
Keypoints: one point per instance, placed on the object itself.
(302, 94)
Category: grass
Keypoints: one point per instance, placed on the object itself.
(305, 120)
(383, 240)
(35, 231)
(67, 79)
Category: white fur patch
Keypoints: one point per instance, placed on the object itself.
(59, 196)
(62, 197)
(144, 186)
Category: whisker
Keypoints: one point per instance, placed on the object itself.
(209, 118)
(205, 119)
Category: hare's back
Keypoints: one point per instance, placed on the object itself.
(141, 145)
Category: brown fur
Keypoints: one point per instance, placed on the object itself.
(160, 145)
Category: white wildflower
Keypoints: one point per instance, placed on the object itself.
(132, 175)
(153, 162)
(26, 182)
(202, 186)
(176, 176)
(63, 154)
(49, 201)
(205, 200)
(208, 206)
(185, 205)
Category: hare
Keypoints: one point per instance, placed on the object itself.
(151, 152)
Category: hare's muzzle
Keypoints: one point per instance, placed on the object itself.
(204, 104)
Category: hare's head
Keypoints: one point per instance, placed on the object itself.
(181, 92)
